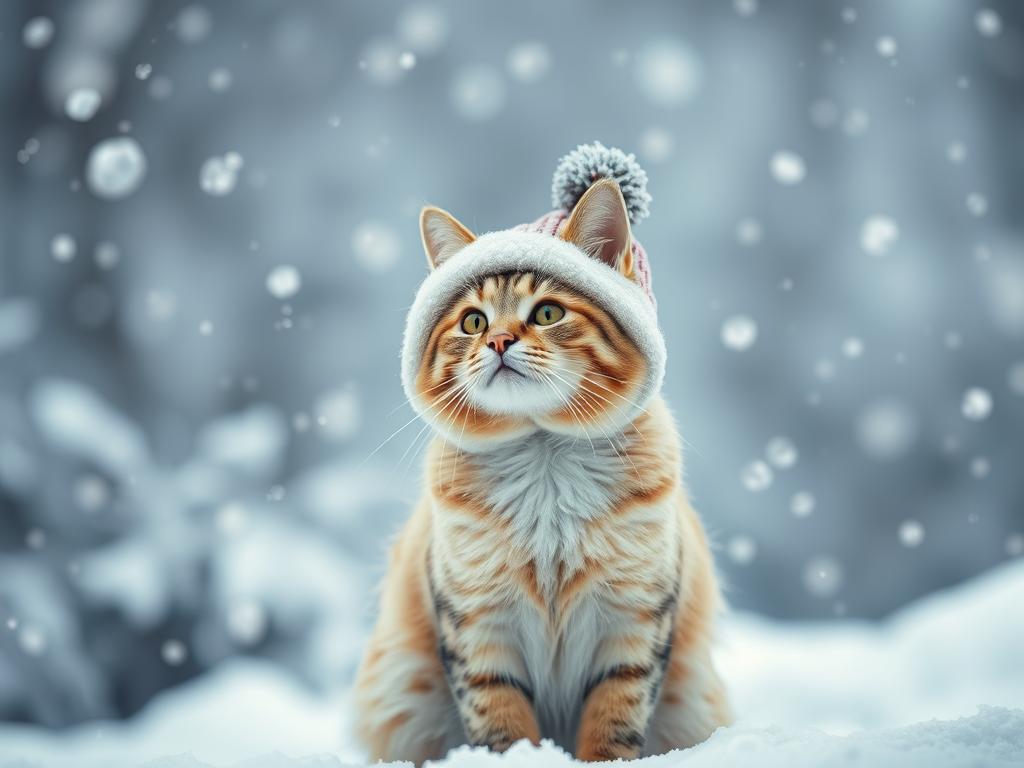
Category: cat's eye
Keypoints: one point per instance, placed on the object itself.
(474, 322)
(548, 313)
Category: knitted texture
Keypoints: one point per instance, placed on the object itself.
(553, 223)
(578, 170)
(521, 250)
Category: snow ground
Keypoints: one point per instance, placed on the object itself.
(840, 694)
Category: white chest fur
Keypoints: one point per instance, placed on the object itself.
(550, 488)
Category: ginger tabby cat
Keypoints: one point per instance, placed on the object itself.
(554, 581)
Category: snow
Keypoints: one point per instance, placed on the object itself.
(823, 576)
(218, 175)
(284, 281)
(63, 247)
(886, 46)
(376, 246)
(976, 404)
(739, 333)
(528, 62)
(781, 452)
(802, 504)
(757, 476)
(423, 28)
(657, 145)
(38, 32)
(988, 22)
(886, 428)
(478, 92)
(878, 234)
(749, 232)
(669, 73)
(82, 104)
(193, 24)
(788, 168)
(911, 533)
(115, 168)
(844, 693)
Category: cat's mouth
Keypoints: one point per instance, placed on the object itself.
(506, 370)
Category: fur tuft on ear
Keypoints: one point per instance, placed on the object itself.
(599, 226)
(443, 235)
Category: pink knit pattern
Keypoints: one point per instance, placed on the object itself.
(553, 222)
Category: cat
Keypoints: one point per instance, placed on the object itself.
(554, 581)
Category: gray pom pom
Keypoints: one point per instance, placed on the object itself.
(579, 169)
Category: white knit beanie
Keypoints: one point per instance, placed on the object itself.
(534, 248)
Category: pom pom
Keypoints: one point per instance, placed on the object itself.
(579, 169)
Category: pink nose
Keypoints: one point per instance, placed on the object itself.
(500, 341)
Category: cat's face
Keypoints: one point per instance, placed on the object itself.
(518, 352)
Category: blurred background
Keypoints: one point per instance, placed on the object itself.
(208, 243)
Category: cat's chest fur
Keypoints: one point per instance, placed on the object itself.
(548, 487)
(550, 490)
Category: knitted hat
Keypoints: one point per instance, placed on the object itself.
(535, 247)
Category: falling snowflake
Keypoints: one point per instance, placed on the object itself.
(668, 73)
(823, 576)
(976, 404)
(749, 232)
(284, 281)
(376, 246)
(739, 333)
(742, 549)
(852, 347)
(37, 32)
(977, 204)
(115, 168)
(247, 622)
(886, 46)
(802, 504)
(82, 104)
(788, 168)
(218, 175)
(174, 653)
(63, 248)
(911, 533)
(878, 235)
(886, 428)
(757, 476)
(528, 62)
(193, 24)
(781, 453)
(478, 92)
(988, 22)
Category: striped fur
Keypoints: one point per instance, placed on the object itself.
(554, 582)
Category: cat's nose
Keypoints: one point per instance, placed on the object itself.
(500, 341)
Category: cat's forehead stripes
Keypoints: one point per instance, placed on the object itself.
(505, 293)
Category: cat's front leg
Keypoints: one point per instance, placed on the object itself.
(489, 681)
(620, 698)
(483, 664)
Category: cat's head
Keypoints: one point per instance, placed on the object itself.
(517, 331)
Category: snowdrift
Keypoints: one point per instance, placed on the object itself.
(838, 694)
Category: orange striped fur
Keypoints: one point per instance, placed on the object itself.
(554, 582)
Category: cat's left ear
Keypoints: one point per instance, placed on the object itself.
(599, 226)
(443, 235)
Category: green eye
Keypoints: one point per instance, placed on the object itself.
(546, 314)
(474, 323)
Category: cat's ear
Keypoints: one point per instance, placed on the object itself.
(443, 235)
(599, 226)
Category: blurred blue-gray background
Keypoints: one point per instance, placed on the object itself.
(208, 242)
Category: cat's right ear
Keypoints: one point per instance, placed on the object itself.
(443, 235)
